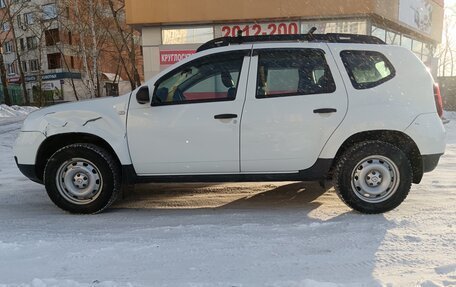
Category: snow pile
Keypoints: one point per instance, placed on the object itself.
(15, 111)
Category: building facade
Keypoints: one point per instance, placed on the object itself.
(42, 50)
(173, 29)
(55, 52)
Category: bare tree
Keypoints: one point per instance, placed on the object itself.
(3, 40)
(447, 50)
(92, 40)
(8, 16)
(124, 39)
(13, 9)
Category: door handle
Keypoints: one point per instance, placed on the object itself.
(325, 111)
(225, 116)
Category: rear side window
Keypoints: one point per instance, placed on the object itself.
(367, 69)
(291, 72)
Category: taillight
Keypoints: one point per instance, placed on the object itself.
(438, 100)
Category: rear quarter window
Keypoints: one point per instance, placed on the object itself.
(367, 69)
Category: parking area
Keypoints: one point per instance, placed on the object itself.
(249, 234)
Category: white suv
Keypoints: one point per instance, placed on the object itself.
(268, 108)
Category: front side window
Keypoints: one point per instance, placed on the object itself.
(211, 78)
(367, 69)
(290, 72)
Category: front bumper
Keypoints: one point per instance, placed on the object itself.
(29, 171)
(25, 152)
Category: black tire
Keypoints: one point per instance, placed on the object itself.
(371, 167)
(90, 169)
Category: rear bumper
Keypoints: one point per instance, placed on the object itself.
(430, 161)
(29, 171)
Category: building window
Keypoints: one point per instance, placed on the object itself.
(19, 20)
(32, 43)
(70, 38)
(54, 61)
(11, 68)
(8, 47)
(6, 27)
(49, 12)
(187, 36)
(34, 65)
(378, 32)
(351, 27)
(29, 18)
(22, 44)
(406, 42)
(2, 4)
(72, 62)
(393, 38)
(417, 48)
(24, 67)
(52, 37)
(428, 49)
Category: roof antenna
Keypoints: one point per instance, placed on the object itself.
(239, 37)
(310, 34)
(311, 31)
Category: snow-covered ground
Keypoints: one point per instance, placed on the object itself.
(14, 111)
(255, 234)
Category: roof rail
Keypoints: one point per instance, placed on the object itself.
(327, 38)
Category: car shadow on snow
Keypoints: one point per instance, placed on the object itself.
(243, 196)
(316, 236)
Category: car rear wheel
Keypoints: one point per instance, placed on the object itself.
(373, 177)
(82, 178)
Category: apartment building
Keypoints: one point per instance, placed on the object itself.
(50, 53)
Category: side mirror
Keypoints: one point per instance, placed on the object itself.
(143, 95)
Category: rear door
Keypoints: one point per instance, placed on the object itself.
(295, 100)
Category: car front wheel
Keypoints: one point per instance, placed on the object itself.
(82, 178)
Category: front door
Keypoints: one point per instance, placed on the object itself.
(192, 125)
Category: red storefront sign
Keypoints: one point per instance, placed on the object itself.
(14, 80)
(173, 56)
(258, 29)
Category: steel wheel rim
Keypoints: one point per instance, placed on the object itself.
(79, 181)
(375, 179)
